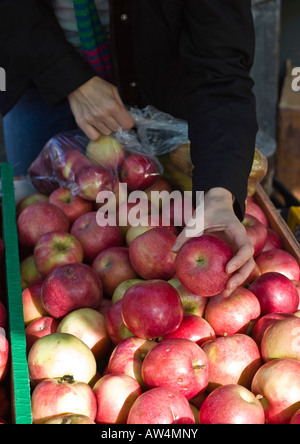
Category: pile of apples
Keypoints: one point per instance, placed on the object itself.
(122, 330)
(4, 347)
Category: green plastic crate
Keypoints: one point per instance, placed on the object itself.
(21, 399)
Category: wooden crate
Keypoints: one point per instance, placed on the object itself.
(288, 148)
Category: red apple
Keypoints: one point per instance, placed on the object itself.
(282, 340)
(113, 266)
(255, 210)
(116, 328)
(233, 314)
(38, 219)
(93, 179)
(115, 394)
(72, 205)
(192, 303)
(29, 272)
(3, 315)
(151, 254)
(69, 287)
(106, 151)
(4, 354)
(28, 200)
(32, 303)
(232, 360)
(41, 174)
(273, 240)
(278, 383)
(295, 419)
(38, 328)
(105, 306)
(95, 238)
(276, 293)
(177, 210)
(122, 287)
(177, 363)
(256, 232)
(278, 260)
(139, 171)
(264, 322)
(88, 325)
(171, 407)
(128, 356)
(55, 249)
(53, 397)
(69, 164)
(297, 285)
(151, 309)
(200, 265)
(194, 328)
(70, 419)
(231, 404)
(147, 224)
(160, 185)
(60, 354)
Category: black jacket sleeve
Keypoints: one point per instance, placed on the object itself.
(217, 47)
(33, 44)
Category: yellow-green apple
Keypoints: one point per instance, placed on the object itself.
(171, 407)
(139, 171)
(273, 240)
(93, 179)
(3, 315)
(71, 204)
(151, 254)
(4, 354)
(115, 394)
(178, 363)
(151, 309)
(55, 249)
(201, 263)
(60, 354)
(278, 260)
(233, 314)
(68, 165)
(192, 303)
(122, 287)
(295, 419)
(53, 397)
(275, 292)
(93, 237)
(264, 322)
(106, 151)
(194, 328)
(128, 356)
(113, 266)
(255, 210)
(33, 307)
(88, 325)
(231, 404)
(256, 232)
(116, 328)
(28, 200)
(232, 360)
(40, 218)
(277, 382)
(38, 328)
(70, 419)
(29, 273)
(282, 340)
(69, 287)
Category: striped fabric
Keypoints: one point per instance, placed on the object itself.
(92, 38)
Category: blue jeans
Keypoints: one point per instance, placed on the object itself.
(29, 126)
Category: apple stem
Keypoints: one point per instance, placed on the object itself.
(66, 378)
(199, 367)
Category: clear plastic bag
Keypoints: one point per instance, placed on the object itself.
(258, 171)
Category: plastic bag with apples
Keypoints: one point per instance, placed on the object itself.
(87, 167)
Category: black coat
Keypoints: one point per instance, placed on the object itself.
(190, 58)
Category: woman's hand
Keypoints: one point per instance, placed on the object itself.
(98, 109)
(219, 216)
